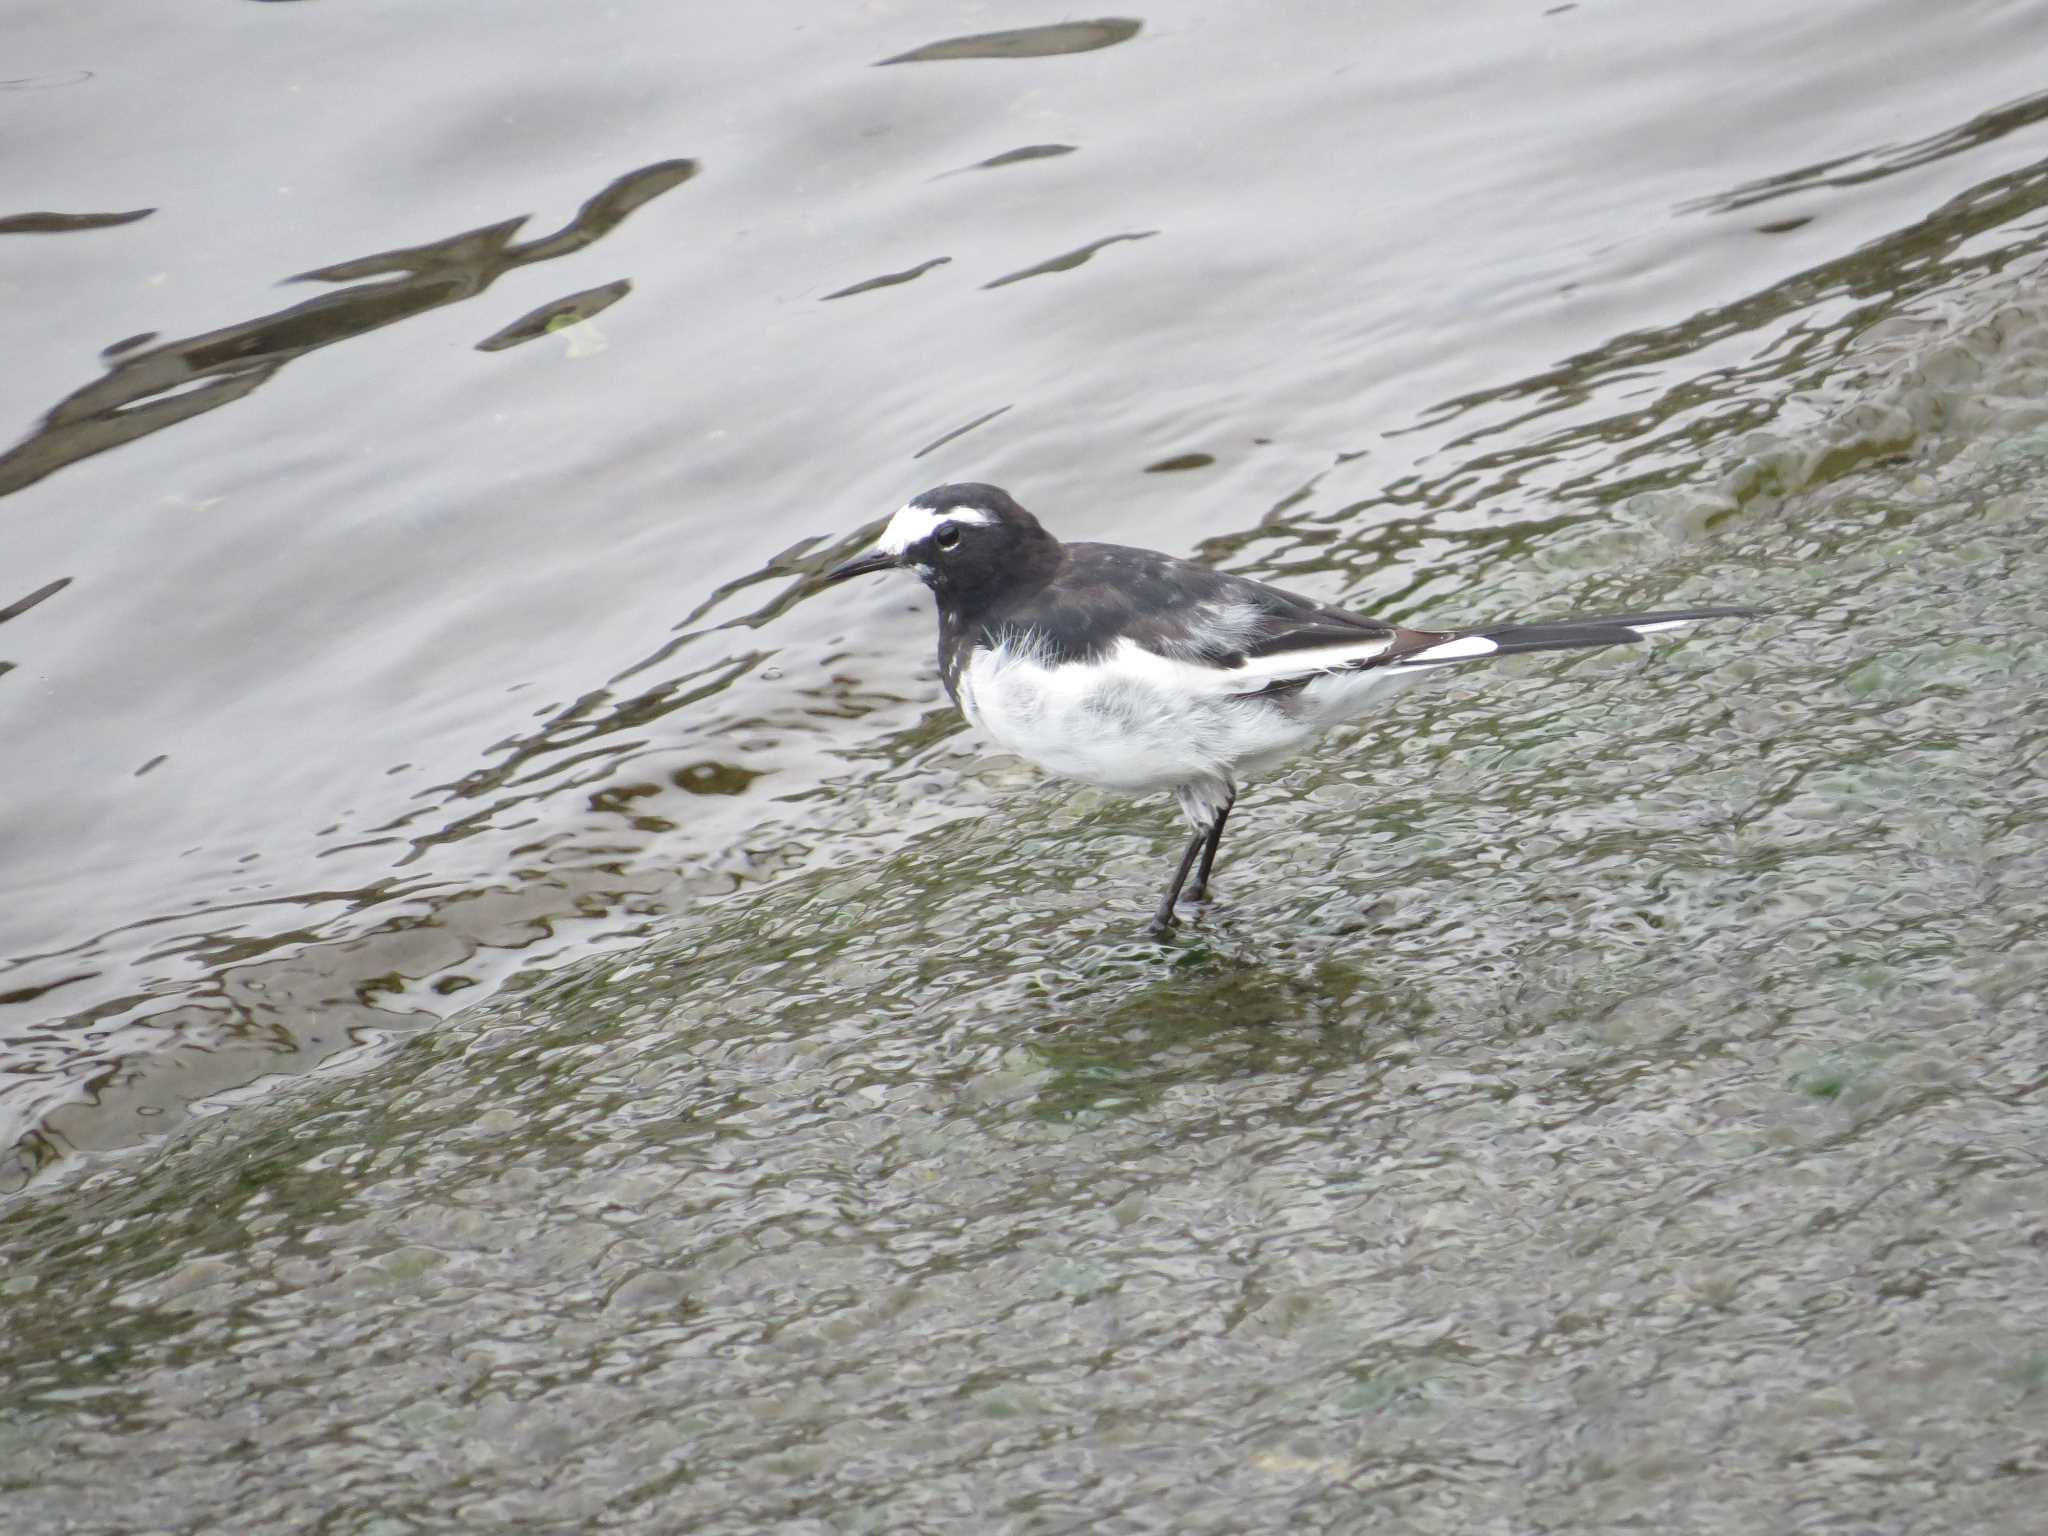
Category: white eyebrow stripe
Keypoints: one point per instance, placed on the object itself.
(914, 522)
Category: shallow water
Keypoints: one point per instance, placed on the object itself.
(1608, 1089)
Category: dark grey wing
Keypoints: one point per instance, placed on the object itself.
(1107, 593)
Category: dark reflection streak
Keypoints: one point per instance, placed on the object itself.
(1768, 187)
(1026, 42)
(790, 561)
(388, 889)
(65, 223)
(1027, 152)
(472, 250)
(30, 994)
(961, 431)
(148, 390)
(774, 608)
(887, 279)
(1986, 128)
(569, 730)
(46, 82)
(571, 310)
(1011, 157)
(1221, 549)
(562, 770)
(1912, 260)
(21, 605)
(213, 950)
(332, 849)
(1070, 260)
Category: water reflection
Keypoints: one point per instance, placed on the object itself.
(1027, 42)
(890, 279)
(1887, 160)
(1067, 261)
(1012, 157)
(960, 431)
(159, 386)
(21, 605)
(67, 223)
(555, 316)
(55, 82)
(1820, 315)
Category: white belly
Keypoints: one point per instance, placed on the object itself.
(1138, 722)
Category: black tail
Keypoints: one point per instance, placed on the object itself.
(1558, 635)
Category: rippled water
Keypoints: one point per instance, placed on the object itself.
(1608, 1091)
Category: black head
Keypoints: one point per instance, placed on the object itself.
(969, 543)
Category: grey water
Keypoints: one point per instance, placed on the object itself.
(517, 1012)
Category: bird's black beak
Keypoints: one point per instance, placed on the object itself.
(866, 565)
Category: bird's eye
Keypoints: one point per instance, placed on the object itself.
(947, 537)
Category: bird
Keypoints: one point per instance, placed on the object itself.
(1139, 672)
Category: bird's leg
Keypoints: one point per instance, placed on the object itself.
(1212, 840)
(1163, 919)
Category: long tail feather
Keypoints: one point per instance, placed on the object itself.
(1558, 635)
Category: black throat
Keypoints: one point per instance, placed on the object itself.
(976, 606)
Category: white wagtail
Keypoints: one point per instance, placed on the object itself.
(1134, 671)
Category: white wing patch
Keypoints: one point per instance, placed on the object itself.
(913, 523)
(1464, 648)
(1227, 626)
(1259, 670)
(1201, 679)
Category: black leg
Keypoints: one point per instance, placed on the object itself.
(1163, 919)
(1215, 839)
